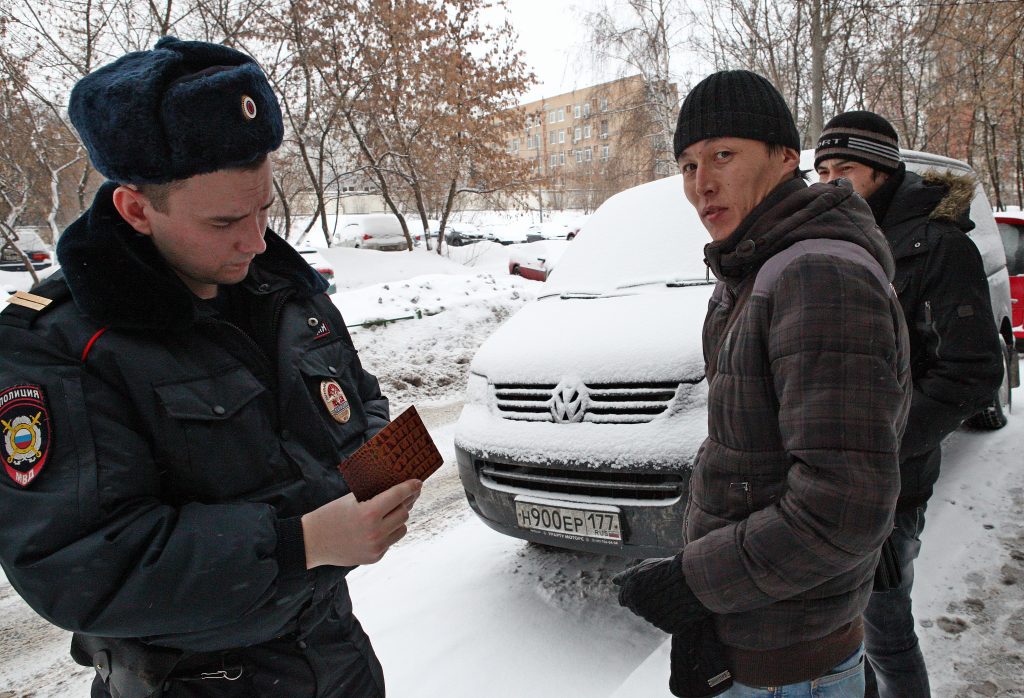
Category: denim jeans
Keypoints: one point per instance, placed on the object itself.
(896, 666)
(844, 680)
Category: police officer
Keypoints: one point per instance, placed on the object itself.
(174, 403)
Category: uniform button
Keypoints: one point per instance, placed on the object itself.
(219, 410)
(917, 244)
(264, 288)
(312, 322)
(302, 644)
(285, 434)
(332, 369)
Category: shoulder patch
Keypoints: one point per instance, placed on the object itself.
(27, 435)
(29, 300)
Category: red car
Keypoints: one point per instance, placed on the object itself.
(1011, 230)
(536, 260)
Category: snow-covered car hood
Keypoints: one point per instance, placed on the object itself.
(652, 334)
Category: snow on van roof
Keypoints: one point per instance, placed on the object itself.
(649, 233)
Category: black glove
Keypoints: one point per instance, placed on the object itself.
(888, 574)
(656, 590)
(698, 662)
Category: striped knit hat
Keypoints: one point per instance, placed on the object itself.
(861, 136)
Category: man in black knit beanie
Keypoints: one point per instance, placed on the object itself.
(956, 355)
(792, 493)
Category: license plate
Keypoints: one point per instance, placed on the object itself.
(568, 519)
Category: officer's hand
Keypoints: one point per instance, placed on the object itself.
(345, 532)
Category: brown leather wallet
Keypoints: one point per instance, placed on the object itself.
(403, 450)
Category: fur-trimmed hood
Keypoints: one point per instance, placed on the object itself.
(118, 279)
(935, 195)
(959, 193)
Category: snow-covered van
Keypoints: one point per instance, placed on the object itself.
(585, 410)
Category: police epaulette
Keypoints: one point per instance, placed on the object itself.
(24, 308)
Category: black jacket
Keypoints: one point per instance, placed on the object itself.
(955, 350)
(183, 448)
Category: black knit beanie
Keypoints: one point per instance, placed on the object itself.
(737, 104)
(861, 136)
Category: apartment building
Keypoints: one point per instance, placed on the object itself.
(590, 143)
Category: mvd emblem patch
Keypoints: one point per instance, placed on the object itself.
(26, 432)
(335, 401)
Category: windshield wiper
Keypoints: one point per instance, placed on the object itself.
(568, 295)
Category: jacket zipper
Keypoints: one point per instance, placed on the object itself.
(930, 324)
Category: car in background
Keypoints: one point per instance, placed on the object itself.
(536, 261)
(505, 233)
(549, 230)
(1011, 230)
(317, 261)
(373, 231)
(459, 234)
(31, 244)
(585, 410)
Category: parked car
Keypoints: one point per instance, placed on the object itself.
(1011, 229)
(536, 261)
(505, 233)
(584, 411)
(373, 231)
(29, 242)
(317, 261)
(459, 234)
(550, 230)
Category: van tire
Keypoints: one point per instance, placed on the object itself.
(995, 415)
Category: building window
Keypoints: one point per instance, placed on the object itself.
(588, 154)
(586, 109)
(552, 115)
(605, 151)
(561, 114)
(576, 111)
(553, 137)
(561, 136)
(561, 158)
(515, 145)
(577, 134)
(554, 159)
(586, 131)
(579, 155)
(604, 104)
(604, 128)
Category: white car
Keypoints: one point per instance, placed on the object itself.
(317, 261)
(584, 411)
(550, 230)
(373, 231)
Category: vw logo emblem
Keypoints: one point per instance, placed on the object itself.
(569, 403)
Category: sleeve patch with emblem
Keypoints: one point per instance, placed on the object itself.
(26, 432)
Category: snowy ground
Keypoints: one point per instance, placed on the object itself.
(457, 610)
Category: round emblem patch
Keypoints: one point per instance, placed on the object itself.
(248, 107)
(335, 401)
(26, 432)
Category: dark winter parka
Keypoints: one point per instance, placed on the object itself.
(180, 451)
(809, 386)
(955, 349)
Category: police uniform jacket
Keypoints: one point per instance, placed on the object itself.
(175, 449)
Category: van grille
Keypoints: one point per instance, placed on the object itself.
(604, 403)
(620, 485)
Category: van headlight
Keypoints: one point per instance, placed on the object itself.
(477, 390)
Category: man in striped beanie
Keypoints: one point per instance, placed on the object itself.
(944, 294)
(859, 146)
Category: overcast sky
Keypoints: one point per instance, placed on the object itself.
(552, 36)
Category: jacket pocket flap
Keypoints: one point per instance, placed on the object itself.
(210, 397)
(329, 359)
